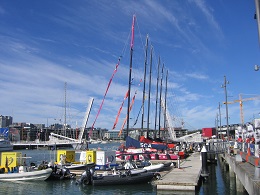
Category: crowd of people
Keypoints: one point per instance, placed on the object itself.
(248, 139)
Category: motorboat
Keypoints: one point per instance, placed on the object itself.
(25, 173)
(15, 168)
(58, 173)
(5, 144)
(147, 165)
(66, 160)
(116, 177)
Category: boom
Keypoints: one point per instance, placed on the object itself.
(241, 105)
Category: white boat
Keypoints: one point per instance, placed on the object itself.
(5, 145)
(72, 167)
(27, 174)
(154, 167)
(145, 165)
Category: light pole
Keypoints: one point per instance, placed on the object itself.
(225, 89)
(220, 128)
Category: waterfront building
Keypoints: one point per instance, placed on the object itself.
(113, 135)
(5, 121)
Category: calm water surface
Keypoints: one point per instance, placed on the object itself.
(219, 181)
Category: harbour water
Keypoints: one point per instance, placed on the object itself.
(218, 182)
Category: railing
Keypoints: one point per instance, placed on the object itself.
(219, 146)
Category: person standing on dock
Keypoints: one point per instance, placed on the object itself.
(122, 147)
(240, 139)
(247, 139)
(252, 140)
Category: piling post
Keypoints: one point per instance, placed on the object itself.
(239, 185)
(178, 162)
(204, 172)
(257, 173)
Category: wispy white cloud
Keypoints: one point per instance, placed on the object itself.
(197, 76)
(208, 12)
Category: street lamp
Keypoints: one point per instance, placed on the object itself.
(225, 89)
(256, 67)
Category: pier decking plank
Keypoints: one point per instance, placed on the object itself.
(184, 178)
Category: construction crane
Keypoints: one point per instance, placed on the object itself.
(241, 105)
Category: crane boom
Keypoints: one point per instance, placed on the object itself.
(240, 100)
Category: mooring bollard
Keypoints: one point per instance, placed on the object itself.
(204, 172)
(178, 162)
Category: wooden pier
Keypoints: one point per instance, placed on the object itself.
(185, 178)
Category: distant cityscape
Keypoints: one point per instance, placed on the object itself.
(24, 131)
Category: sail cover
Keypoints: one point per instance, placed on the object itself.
(130, 142)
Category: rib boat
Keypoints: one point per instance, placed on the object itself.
(116, 177)
(25, 173)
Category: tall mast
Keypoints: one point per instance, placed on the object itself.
(220, 128)
(156, 106)
(165, 99)
(130, 73)
(65, 108)
(145, 64)
(149, 93)
(160, 107)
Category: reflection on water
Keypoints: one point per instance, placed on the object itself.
(118, 190)
(220, 181)
(70, 187)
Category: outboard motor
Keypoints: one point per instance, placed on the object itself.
(157, 176)
(64, 172)
(86, 177)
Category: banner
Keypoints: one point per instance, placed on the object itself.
(4, 131)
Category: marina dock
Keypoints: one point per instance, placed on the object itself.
(245, 168)
(185, 178)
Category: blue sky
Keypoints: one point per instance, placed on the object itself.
(47, 43)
